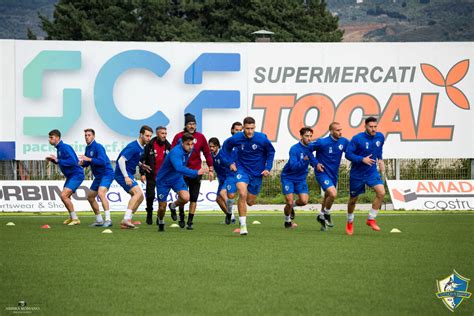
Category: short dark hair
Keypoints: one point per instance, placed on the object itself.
(304, 130)
(160, 127)
(331, 126)
(146, 128)
(214, 141)
(370, 119)
(249, 120)
(55, 132)
(186, 137)
(235, 124)
(89, 130)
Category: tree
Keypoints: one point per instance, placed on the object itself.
(203, 20)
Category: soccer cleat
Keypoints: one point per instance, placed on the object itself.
(97, 224)
(243, 230)
(149, 218)
(126, 224)
(322, 221)
(173, 212)
(107, 223)
(292, 214)
(181, 222)
(228, 217)
(67, 221)
(349, 229)
(290, 225)
(74, 222)
(372, 224)
(189, 226)
(329, 223)
(161, 227)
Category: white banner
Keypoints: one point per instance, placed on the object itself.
(44, 196)
(421, 92)
(432, 195)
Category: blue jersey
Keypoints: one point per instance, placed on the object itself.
(363, 145)
(254, 155)
(174, 166)
(221, 165)
(296, 169)
(68, 161)
(100, 163)
(132, 152)
(329, 153)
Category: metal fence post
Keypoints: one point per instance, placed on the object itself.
(397, 169)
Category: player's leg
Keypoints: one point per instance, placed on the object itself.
(102, 193)
(254, 186)
(356, 188)
(136, 198)
(329, 197)
(161, 215)
(221, 196)
(376, 204)
(91, 197)
(70, 187)
(150, 199)
(188, 182)
(231, 189)
(194, 188)
(327, 185)
(242, 206)
(287, 188)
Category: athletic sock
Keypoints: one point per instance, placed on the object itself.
(73, 215)
(373, 214)
(326, 211)
(350, 217)
(232, 217)
(98, 218)
(173, 204)
(161, 221)
(229, 204)
(107, 215)
(243, 220)
(128, 215)
(190, 218)
(287, 218)
(321, 212)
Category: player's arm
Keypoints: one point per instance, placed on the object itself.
(351, 149)
(270, 150)
(69, 158)
(294, 161)
(144, 157)
(207, 154)
(101, 157)
(178, 165)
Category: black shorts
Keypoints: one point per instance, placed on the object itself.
(194, 185)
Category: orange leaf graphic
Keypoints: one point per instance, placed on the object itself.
(457, 72)
(457, 97)
(432, 74)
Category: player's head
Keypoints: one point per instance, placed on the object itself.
(214, 145)
(335, 130)
(306, 135)
(89, 135)
(236, 127)
(371, 125)
(54, 137)
(187, 141)
(189, 123)
(145, 134)
(161, 133)
(249, 126)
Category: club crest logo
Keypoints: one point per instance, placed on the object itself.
(254, 146)
(377, 143)
(92, 153)
(330, 150)
(161, 196)
(239, 176)
(366, 145)
(229, 187)
(326, 182)
(341, 147)
(453, 290)
(301, 156)
(287, 187)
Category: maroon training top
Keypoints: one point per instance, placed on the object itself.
(200, 144)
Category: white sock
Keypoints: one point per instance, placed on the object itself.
(350, 217)
(321, 212)
(243, 220)
(107, 215)
(327, 211)
(173, 205)
(73, 215)
(128, 215)
(373, 213)
(294, 204)
(287, 219)
(98, 218)
(232, 217)
(229, 204)
(161, 221)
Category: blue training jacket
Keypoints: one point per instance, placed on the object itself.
(68, 161)
(329, 154)
(221, 165)
(132, 152)
(100, 163)
(363, 145)
(174, 166)
(253, 154)
(296, 169)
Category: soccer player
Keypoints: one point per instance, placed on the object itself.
(154, 155)
(254, 160)
(365, 153)
(194, 162)
(328, 154)
(294, 173)
(231, 187)
(96, 157)
(69, 164)
(170, 176)
(127, 162)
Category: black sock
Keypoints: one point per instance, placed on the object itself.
(181, 209)
(190, 218)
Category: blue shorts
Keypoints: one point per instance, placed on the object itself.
(254, 183)
(357, 186)
(104, 181)
(121, 180)
(74, 182)
(227, 184)
(289, 186)
(163, 189)
(325, 181)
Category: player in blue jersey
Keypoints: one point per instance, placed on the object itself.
(294, 173)
(365, 153)
(170, 176)
(69, 164)
(255, 155)
(127, 162)
(328, 153)
(231, 187)
(96, 158)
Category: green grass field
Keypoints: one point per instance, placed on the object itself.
(211, 270)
